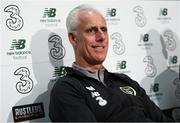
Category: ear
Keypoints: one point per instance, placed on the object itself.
(72, 39)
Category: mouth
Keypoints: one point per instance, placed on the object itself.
(98, 47)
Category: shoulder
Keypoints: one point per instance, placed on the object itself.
(129, 81)
(67, 81)
(124, 77)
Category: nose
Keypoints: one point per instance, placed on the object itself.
(100, 36)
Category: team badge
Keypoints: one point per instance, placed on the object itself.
(128, 90)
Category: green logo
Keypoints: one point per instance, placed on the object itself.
(154, 87)
(121, 65)
(49, 12)
(59, 72)
(18, 44)
(111, 12)
(163, 12)
(146, 37)
(173, 59)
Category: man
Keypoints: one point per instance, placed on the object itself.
(87, 91)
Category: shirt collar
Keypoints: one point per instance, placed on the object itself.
(99, 75)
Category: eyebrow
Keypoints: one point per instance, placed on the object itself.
(96, 28)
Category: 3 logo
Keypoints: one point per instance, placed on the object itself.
(169, 40)
(25, 84)
(118, 47)
(15, 21)
(57, 50)
(150, 69)
(140, 19)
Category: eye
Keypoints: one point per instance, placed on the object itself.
(92, 30)
(104, 29)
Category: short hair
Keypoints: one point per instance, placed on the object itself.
(72, 18)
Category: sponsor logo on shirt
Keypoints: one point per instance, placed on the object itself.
(128, 90)
(97, 96)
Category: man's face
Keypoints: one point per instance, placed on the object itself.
(92, 38)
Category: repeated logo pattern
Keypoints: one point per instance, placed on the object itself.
(118, 47)
(57, 51)
(15, 21)
(50, 17)
(150, 69)
(25, 84)
(140, 18)
(169, 40)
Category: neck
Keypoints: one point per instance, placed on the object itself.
(99, 75)
(89, 67)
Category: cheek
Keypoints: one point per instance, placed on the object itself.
(86, 42)
(81, 47)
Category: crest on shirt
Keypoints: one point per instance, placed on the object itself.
(128, 90)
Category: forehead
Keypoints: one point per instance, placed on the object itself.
(91, 17)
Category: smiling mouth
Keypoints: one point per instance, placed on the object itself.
(98, 48)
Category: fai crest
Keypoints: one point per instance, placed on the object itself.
(128, 90)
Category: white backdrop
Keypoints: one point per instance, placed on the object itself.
(144, 44)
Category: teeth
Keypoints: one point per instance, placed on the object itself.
(98, 47)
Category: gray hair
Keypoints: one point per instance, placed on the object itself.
(72, 18)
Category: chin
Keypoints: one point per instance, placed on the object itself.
(100, 61)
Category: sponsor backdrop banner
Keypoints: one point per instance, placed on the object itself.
(144, 44)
